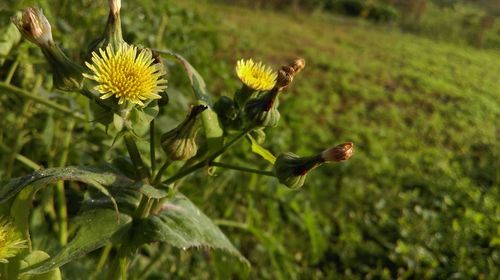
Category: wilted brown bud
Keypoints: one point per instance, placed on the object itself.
(284, 79)
(297, 64)
(34, 26)
(114, 6)
(338, 153)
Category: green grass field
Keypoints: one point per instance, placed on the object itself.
(418, 200)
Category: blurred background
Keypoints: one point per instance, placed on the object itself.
(415, 84)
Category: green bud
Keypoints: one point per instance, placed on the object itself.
(35, 27)
(66, 74)
(263, 111)
(180, 142)
(112, 34)
(291, 169)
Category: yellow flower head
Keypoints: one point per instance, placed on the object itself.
(126, 74)
(10, 241)
(256, 75)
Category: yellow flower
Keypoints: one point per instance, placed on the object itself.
(256, 75)
(126, 74)
(10, 241)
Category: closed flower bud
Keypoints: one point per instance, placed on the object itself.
(263, 111)
(34, 26)
(291, 169)
(284, 79)
(180, 142)
(115, 6)
(297, 65)
(338, 153)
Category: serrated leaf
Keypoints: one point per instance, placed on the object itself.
(180, 223)
(261, 151)
(96, 228)
(211, 125)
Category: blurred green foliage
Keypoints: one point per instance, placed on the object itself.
(419, 199)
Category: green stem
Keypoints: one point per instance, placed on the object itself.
(164, 167)
(17, 91)
(62, 212)
(135, 156)
(11, 72)
(104, 257)
(207, 161)
(152, 146)
(243, 169)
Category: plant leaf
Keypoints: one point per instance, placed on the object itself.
(96, 227)
(180, 223)
(261, 151)
(34, 258)
(96, 176)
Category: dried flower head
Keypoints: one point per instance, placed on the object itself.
(11, 242)
(114, 6)
(256, 76)
(338, 153)
(34, 26)
(127, 74)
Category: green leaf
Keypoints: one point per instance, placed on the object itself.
(9, 37)
(96, 176)
(213, 130)
(261, 151)
(180, 223)
(96, 228)
(89, 175)
(34, 258)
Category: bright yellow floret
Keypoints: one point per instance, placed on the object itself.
(126, 74)
(256, 75)
(11, 242)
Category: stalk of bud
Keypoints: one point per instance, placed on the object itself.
(180, 142)
(263, 111)
(35, 27)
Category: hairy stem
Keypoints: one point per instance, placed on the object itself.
(243, 169)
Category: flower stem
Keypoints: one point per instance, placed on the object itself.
(135, 156)
(62, 213)
(207, 161)
(243, 169)
(152, 145)
(164, 167)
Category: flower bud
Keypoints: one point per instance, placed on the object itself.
(284, 79)
(297, 65)
(291, 169)
(338, 153)
(34, 26)
(263, 111)
(180, 142)
(115, 6)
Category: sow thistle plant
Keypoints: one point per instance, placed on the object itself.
(129, 203)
